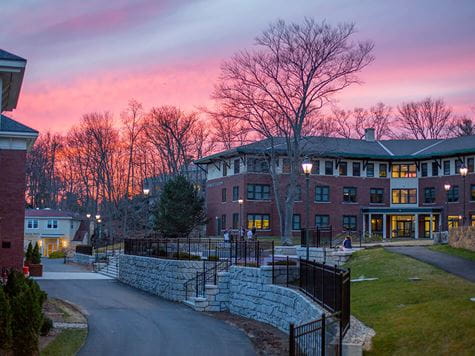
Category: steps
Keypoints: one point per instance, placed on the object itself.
(110, 269)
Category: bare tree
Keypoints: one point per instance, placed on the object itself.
(292, 74)
(462, 126)
(425, 119)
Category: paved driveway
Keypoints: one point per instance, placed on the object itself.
(126, 321)
(456, 265)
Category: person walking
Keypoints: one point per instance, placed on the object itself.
(226, 235)
(249, 234)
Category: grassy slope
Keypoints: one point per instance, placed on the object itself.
(67, 343)
(433, 316)
(460, 252)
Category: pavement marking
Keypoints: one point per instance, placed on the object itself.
(71, 275)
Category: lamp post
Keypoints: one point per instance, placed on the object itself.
(146, 192)
(241, 202)
(447, 188)
(98, 224)
(307, 169)
(463, 173)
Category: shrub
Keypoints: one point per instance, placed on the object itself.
(5, 321)
(36, 255)
(29, 253)
(57, 254)
(185, 256)
(213, 258)
(46, 326)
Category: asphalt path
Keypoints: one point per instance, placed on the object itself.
(126, 321)
(453, 264)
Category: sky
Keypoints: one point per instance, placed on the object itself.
(94, 55)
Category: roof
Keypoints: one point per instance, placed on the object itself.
(82, 231)
(354, 148)
(10, 125)
(50, 213)
(7, 56)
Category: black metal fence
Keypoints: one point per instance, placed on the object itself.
(247, 253)
(329, 286)
(196, 286)
(307, 339)
(317, 237)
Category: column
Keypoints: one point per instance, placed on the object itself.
(369, 225)
(416, 227)
(430, 226)
(384, 227)
(364, 225)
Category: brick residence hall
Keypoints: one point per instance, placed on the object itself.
(393, 188)
(15, 139)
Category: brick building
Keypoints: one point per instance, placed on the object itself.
(393, 188)
(15, 139)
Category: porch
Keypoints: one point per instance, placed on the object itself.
(402, 223)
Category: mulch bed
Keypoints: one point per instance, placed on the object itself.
(266, 339)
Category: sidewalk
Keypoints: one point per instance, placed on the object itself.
(452, 264)
(396, 243)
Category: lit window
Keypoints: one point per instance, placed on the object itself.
(403, 171)
(404, 196)
(349, 194)
(383, 170)
(343, 169)
(259, 221)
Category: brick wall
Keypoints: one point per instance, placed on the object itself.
(12, 207)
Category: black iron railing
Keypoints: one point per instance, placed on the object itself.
(329, 286)
(317, 237)
(247, 253)
(196, 286)
(307, 339)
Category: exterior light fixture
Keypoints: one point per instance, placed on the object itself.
(463, 171)
(307, 166)
(240, 201)
(146, 191)
(88, 216)
(98, 217)
(99, 220)
(447, 187)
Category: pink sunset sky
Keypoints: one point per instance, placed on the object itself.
(95, 55)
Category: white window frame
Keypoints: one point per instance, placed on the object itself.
(52, 224)
(32, 224)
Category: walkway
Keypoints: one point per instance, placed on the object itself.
(125, 321)
(456, 265)
(56, 269)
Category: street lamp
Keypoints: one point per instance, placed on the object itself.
(447, 188)
(241, 203)
(88, 215)
(307, 169)
(463, 173)
(98, 217)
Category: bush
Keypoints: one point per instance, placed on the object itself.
(46, 326)
(57, 254)
(185, 256)
(213, 258)
(5, 321)
(36, 255)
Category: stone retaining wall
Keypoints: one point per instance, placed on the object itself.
(83, 259)
(165, 278)
(330, 256)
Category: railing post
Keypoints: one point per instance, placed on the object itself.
(300, 272)
(215, 272)
(334, 292)
(209, 247)
(257, 254)
(323, 335)
(287, 280)
(245, 253)
(291, 339)
(196, 284)
(273, 266)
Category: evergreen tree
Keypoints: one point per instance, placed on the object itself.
(29, 253)
(180, 208)
(5, 321)
(36, 255)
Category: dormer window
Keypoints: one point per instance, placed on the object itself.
(52, 224)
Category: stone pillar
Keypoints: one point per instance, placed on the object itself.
(416, 227)
(364, 225)
(430, 226)
(384, 226)
(369, 225)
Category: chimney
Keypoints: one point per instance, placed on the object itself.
(369, 134)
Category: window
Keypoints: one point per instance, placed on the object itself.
(225, 169)
(470, 164)
(6, 244)
(322, 193)
(329, 168)
(435, 169)
(72, 225)
(404, 196)
(296, 222)
(383, 170)
(349, 194)
(370, 170)
(453, 221)
(322, 220)
(259, 221)
(237, 166)
(349, 222)
(472, 192)
(343, 169)
(424, 169)
(223, 194)
(403, 171)
(32, 224)
(458, 165)
(356, 169)
(223, 222)
(236, 193)
(376, 195)
(298, 193)
(446, 168)
(429, 195)
(52, 224)
(453, 194)
(316, 167)
(235, 220)
(472, 220)
(257, 165)
(258, 192)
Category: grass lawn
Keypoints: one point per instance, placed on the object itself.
(460, 252)
(433, 316)
(67, 343)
